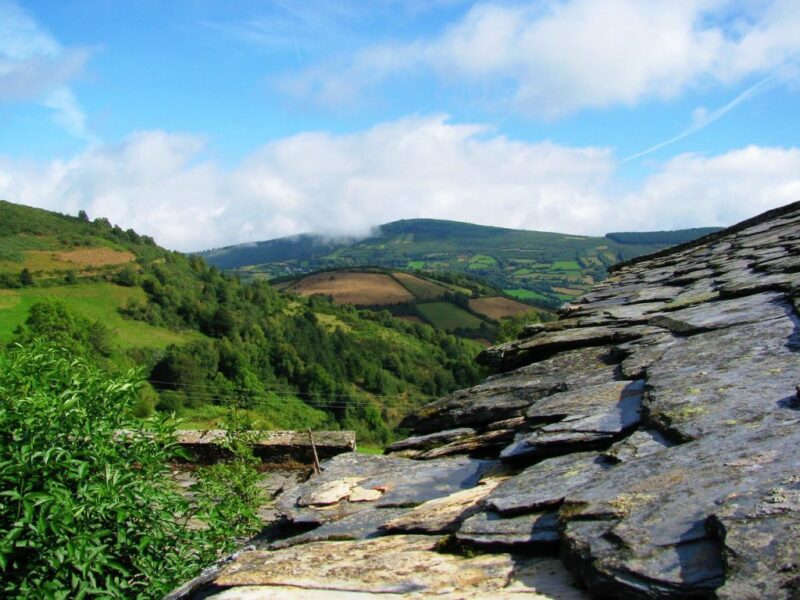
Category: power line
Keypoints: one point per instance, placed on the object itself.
(395, 402)
(292, 393)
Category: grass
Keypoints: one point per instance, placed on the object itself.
(565, 265)
(95, 301)
(525, 294)
(368, 449)
(496, 308)
(421, 288)
(416, 265)
(447, 316)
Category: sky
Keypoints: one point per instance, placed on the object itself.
(205, 123)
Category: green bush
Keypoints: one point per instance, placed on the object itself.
(87, 507)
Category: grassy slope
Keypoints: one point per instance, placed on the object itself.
(97, 301)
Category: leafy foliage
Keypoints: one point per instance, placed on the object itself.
(86, 504)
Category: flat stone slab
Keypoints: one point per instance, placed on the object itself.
(443, 515)
(538, 578)
(506, 396)
(410, 447)
(723, 379)
(402, 482)
(724, 313)
(585, 418)
(519, 353)
(531, 531)
(397, 564)
(545, 484)
(361, 525)
(637, 445)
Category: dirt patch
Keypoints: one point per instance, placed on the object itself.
(363, 289)
(498, 307)
(96, 257)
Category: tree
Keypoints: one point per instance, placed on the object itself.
(83, 216)
(25, 277)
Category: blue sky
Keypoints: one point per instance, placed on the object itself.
(207, 123)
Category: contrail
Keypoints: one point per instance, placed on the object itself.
(709, 119)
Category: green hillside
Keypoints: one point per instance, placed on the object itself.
(544, 268)
(206, 340)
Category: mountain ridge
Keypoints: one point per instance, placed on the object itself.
(544, 267)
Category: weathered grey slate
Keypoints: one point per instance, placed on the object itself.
(516, 354)
(533, 531)
(507, 395)
(723, 379)
(404, 482)
(545, 484)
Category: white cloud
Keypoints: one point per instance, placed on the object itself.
(34, 66)
(159, 184)
(550, 58)
(692, 190)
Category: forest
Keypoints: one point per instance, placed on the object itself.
(291, 362)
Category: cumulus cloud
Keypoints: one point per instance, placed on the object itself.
(554, 57)
(343, 185)
(34, 66)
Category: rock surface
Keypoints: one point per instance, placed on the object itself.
(646, 442)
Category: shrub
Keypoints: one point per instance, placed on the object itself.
(86, 503)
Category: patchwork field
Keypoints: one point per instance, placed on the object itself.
(346, 287)
(423, 289)
(498, 307)
(447, 316)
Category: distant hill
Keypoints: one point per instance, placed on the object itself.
(544, 268)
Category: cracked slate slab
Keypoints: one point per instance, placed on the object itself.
(533, 531)
(404, 482)
(393, 564)
(545, 484)
(506, 396)
(523, 352)
(721, 379)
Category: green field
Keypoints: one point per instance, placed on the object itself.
(525, 294)
(423, 289)
(447, 316)
(565, 265)
(96, 302)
